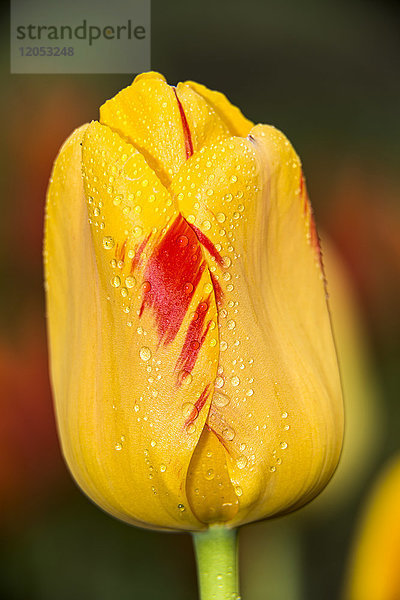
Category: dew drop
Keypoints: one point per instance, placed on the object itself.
(163, 468)
(181, 507)
(241, 462)
(206, 225)
(118, 446)
(185, 378)
(146, 287)
(187, 409)
(219, 382)
(188, 288)
(226, 262)
(223, 345)
(228, 434)
(272, 469)
(283, 445)
(249, 392)
(116, 281)
(191, 428)
(182, 241)
(231, 324)
(108, 242)
(207, 288)
(238, 490)
(209, 474)
(235, 380)
(220, 399)
(221, 217)
(137, 231)
(145, 353)
(130, 282)
(284, 415)
(203, 306)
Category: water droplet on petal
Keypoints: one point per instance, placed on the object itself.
(182, 241)
(146, 287)
(241, 462)
(145, 353)
(219, 382)
(209, 474)
(188, 288)
(187, 409)
(283, 445)
(130, 282)
(185, 378)
(108, 242)
(228, 434)
(235, 381)
(116, 281)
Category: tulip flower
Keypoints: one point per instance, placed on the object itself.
(375, 561)
(192, 360)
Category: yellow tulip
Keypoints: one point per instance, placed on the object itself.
(375, 562)
(192, 359)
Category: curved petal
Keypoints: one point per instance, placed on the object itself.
(231, 115)
(210, 116)
(277, 406)
(147, 115)
(116, 307)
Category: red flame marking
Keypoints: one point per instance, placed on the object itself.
(186, 130)
(198, 406)
(194, 339)
(219, 294)
(208, 245)
(137, 259)
(169, 268)
(120, 252)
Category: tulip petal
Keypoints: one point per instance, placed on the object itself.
(218, 104)
(147, 114)
(277, 402)
(132, 372)
(210, 116)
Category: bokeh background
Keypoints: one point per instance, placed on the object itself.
(327, 74)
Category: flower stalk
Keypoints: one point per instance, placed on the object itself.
(216, 552)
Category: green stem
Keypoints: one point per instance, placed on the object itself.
(217, 563)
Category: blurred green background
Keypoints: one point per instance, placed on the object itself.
(327, 74)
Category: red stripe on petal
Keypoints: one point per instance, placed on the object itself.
(137, 259)
(219, 294)
(198, 406)
(186, 130)
(120, 251)
(208, 245)
(194, 339)
(172, 275)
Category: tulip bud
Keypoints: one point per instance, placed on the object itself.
(192, 360)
